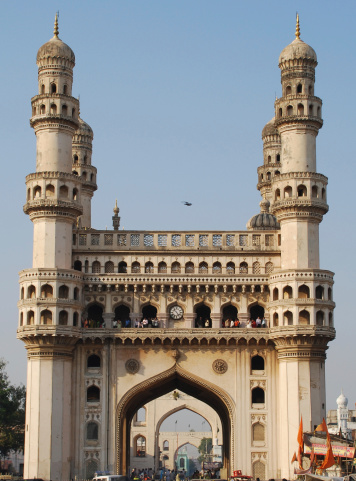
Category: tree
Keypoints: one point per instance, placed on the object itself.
(204, 448)
(12, 414)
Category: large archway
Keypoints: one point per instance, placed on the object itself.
(202, 318)
(163, 383)
(149, 311)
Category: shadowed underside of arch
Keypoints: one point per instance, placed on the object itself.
(163, 383)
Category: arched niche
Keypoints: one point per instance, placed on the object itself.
(163, 383)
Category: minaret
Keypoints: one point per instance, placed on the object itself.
(301, 307)
(53, 192)
(50, 303)
(271, 160)
(116, 217)
(82, 166)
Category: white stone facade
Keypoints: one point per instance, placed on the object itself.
(85, 382)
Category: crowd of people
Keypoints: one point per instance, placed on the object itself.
(149, 322)
(163, 474)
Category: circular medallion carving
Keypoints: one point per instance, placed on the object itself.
(101, 299)
(132, 366)
(220, 366)
(115, 299)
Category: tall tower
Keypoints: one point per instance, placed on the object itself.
(50, 291)
(301, 292)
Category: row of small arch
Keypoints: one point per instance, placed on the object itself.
(300, 111)
(41, 110)
(50, 191)
(46, 318)
(47, 292)
(53, 89)
(298, 89)
(303, 318)
(303, 292)
(302, 191)
(176, 268)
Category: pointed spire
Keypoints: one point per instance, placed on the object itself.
(56, 31)
(297, 28)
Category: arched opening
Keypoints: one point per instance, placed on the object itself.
(65, 89)
(257, 363)
(229, 312)
(75, 158)
(95, 268)
(149, 312)
(257, 396)
(288, 192)
(140, 446)
(75, 319)
(42, 89)
(53, 88)
(162, 268)
(243, 268)
(258, 470)
(202, 317)
(165, 445)
(76, 294)
(93, 362)
(149, 269)
(314, 191)
(280, 112)
(135, 267)
(75, 194)
(31, 292)
(330, 298)
(303, 292)
(95, 315)
(304, 317)
(64, 110)
(109, 267)
(77, 266)
(258, 433)
(289, 110)
(269, 158)
(122, 314)
(122, 267)
(257, 311)
(256, 268)
(299, 89)
(230, 268)
(288, 318)
(189, 268)
(275, 319)
(277, 195)
(93, 394)
(217, 268)
(46, 317)
(175, 269)
(275, 294)
(63, 318)
(49, 190)
(319, 292)
(46, 291)
(63, 292)
(278, 158)
(30, 318)
(42, 109)
(330, 319)
(288, 90)
(287, 292)
(302, 191)
(53, 109)
(311, 110)
(173, 379)
(320, 318)
(203, 268)
(63, 191)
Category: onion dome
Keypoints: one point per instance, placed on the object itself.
(84, 128)
(269, 129)
(342, 401)
(264, 220)
(55, 48)
(297, 49)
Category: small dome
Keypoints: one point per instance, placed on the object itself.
(55, 48)
(264, 220)
(84, 128)
(342, 401)
(297, 49)
(269, 129)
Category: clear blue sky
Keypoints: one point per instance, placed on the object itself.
(177, 94)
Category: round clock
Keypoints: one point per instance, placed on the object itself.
(176, 312)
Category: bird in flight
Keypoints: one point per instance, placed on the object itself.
(186, 203)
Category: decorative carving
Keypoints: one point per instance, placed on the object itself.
(220, 366)
(175, 354)
(132, 366)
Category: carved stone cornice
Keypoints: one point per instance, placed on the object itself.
(50, 344)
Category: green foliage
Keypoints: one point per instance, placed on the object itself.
(204, 448)
(12, 414)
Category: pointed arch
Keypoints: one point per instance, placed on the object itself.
(160, 384)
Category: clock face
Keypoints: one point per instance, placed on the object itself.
(176, 312)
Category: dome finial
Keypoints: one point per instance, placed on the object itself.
(297, 28)
(56, 31)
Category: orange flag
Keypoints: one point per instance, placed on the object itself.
(294, 458)
(322, 427)
(299, 457)
(300, 435)
(329, 457)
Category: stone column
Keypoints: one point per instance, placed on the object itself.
(108, 318)
(215, 320)
(189, 321)
(163, 320)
